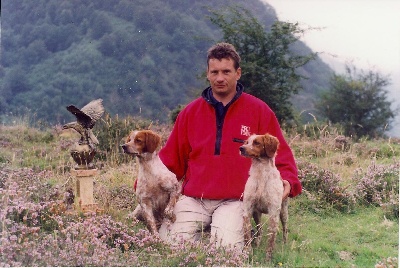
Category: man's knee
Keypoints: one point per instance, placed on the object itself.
(227, 225)
(191, 218)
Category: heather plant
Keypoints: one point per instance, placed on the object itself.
(39, 228)
(26, 198)
(209, 255)
(89, 241)
(324, 188)
(388, 263)
(379, 186)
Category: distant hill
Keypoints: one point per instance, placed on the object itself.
(143, 57)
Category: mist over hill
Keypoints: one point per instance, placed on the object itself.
(143, 57)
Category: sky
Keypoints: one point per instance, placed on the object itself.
(363, 32)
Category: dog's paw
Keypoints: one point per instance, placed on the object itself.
(169, 213)
(157, 236)
(173, 218)
(268, 256)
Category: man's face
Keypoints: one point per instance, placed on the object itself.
(223, 78)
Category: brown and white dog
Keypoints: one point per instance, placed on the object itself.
(263, 191)
(157, 188)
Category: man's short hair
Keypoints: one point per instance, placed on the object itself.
(221, 51)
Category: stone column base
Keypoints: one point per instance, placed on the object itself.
(84, 188)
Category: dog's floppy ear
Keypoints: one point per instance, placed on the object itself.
(271, 144)
(152, 141)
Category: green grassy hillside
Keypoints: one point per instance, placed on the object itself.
(347, 216)
(142, 57)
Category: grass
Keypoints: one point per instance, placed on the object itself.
(359, 239)
(365, 234)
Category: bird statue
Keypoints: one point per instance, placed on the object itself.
(85, 120)
(84, 150)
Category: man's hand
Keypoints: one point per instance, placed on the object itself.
(286, 189)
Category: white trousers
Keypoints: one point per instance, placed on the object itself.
(193, 215)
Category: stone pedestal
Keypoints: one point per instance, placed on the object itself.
(84, 188)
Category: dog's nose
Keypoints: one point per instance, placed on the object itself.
(241, 149)
(124, 147)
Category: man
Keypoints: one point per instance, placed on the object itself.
(203, 150)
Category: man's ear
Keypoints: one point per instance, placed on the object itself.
(238, 73)
(271, 144)
(152, 141)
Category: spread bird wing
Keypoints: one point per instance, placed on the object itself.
(89, 114)
(81, 117)
(94, 109)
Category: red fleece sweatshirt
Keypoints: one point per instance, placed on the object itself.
(209, 161)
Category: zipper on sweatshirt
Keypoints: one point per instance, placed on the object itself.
(220, 112)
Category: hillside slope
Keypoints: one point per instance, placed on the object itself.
(142, 57)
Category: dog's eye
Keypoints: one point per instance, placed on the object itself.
(256, 143)
(138, 141)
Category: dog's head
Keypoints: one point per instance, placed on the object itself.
(141, 141)
(258, 146)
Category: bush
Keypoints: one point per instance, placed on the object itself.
(175, 112)
(111, 133)
(358, 101)
(379, 186)
(324, 188)
(37, 230)
(388, 262)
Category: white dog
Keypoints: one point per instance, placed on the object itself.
(264, 189)
(157, 188)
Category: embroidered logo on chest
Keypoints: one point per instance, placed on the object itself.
(245, 130)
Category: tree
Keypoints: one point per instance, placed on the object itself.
(101, 25)
(34, 53)
(268, 65)
(16, 82)
(358, 101)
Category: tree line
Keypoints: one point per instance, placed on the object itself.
(145, 58)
